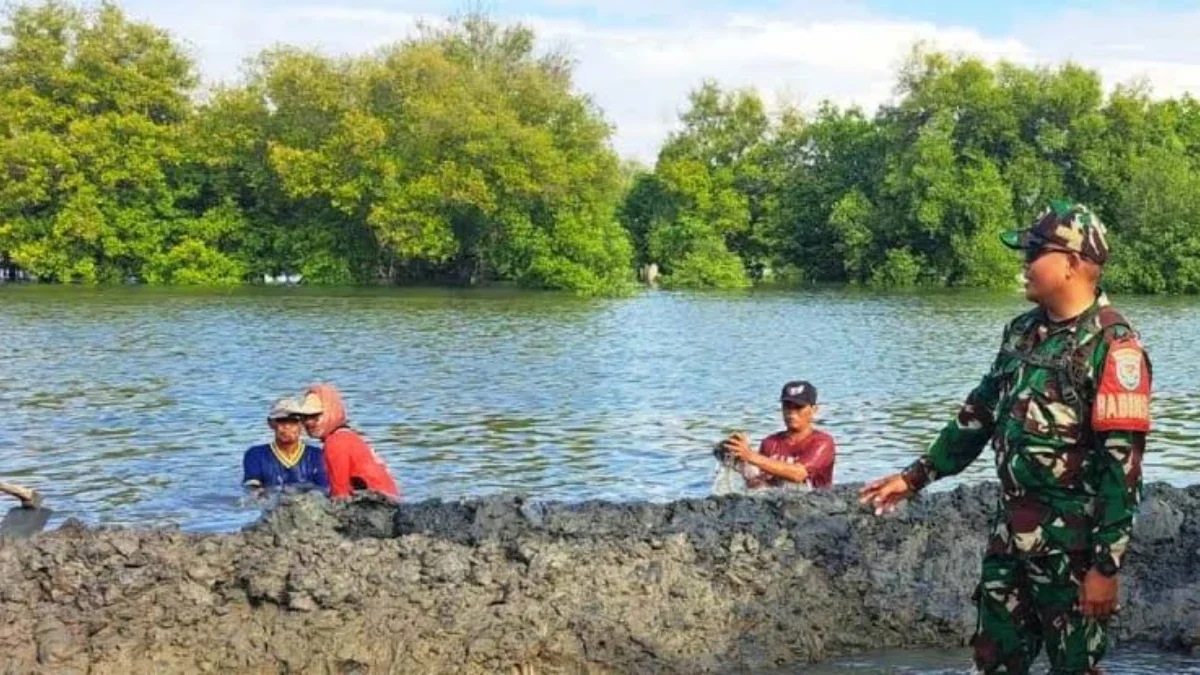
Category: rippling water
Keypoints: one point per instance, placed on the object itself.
(135, 405)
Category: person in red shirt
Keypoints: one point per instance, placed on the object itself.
(350, 463)
(800, 454)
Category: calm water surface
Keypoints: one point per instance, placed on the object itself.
(135, 405)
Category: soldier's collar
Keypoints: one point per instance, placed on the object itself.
(1072, 324)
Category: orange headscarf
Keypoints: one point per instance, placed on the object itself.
(333, 413)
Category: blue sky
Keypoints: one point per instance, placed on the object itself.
(639, 58)
(996, 17)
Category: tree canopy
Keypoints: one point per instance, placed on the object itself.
(917, 193)
(464, 154)
(460, 154)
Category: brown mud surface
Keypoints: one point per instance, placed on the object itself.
(724, 584)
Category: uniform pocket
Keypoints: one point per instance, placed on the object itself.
(1049, 454)
(1047, 416)
(1051, 450)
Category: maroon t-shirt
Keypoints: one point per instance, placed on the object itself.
(815, 451)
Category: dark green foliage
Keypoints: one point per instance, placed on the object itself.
(918, 194)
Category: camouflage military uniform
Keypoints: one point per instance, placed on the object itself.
(1066, 407)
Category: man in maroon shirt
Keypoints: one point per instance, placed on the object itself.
(799, 454)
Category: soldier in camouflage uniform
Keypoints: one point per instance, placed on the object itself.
(1066, 408)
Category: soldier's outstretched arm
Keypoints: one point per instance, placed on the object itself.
(958, 444)
(965, 436)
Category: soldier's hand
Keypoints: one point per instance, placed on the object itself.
(1098, 595)
(885, 494)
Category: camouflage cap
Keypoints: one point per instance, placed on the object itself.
(1064, 226)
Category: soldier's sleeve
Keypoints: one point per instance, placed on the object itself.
(965, 436)
(1120, 420)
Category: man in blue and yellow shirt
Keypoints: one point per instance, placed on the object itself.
(287, 460)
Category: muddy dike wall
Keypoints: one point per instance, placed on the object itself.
(724, 584)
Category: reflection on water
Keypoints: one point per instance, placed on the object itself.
(1123, 660)
(135, 405)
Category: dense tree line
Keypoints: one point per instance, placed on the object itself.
(465, 155)
(457, 155)
(917, 193)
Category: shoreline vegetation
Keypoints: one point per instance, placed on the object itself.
(464, 155)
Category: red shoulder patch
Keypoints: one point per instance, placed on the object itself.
(1123, 397)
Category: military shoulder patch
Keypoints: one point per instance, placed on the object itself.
(1123, 397)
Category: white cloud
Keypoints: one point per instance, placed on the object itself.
(1124, 45)
(640, 74)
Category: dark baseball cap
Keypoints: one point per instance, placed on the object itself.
(798, 392)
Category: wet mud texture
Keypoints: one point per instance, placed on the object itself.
(724, 584)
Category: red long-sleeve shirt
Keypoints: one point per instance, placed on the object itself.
(815, 451)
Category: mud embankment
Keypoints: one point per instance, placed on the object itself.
(728, 584)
